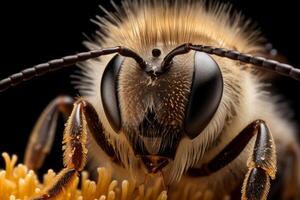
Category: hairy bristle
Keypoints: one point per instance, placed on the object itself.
(140, 24)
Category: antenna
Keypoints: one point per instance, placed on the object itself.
(263, 63)
(56, 64)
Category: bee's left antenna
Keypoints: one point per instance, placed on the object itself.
(263, 63)
(56, 64)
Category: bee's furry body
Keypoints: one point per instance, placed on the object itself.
(141, 26)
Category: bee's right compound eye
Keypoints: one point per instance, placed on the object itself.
(109, 92)
(205, 96)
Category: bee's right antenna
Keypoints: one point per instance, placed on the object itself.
(267, 64)
(57, 64)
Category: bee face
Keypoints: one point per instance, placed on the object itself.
(155, 109)
(149, 124)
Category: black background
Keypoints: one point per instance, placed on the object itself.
(32, 32)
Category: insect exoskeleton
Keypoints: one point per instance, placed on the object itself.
(175, 99)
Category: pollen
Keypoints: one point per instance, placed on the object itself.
(17, 182)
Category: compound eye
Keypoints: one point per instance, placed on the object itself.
(109, 92)
(205, 96)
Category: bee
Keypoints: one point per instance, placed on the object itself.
(173, 90)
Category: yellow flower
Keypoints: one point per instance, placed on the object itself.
(19, 183)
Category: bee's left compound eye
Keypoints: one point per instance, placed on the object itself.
(205, 96)
(109, 92)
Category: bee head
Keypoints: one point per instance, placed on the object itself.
(156, 106)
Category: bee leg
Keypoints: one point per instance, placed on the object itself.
(43, 133)
(75, 152)
(83, 119)
(96, 130)
(261, 164)
(63, 180)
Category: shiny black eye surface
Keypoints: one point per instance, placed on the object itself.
(205, 96)
(109, 92)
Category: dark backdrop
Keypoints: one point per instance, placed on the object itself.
(32, 32)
